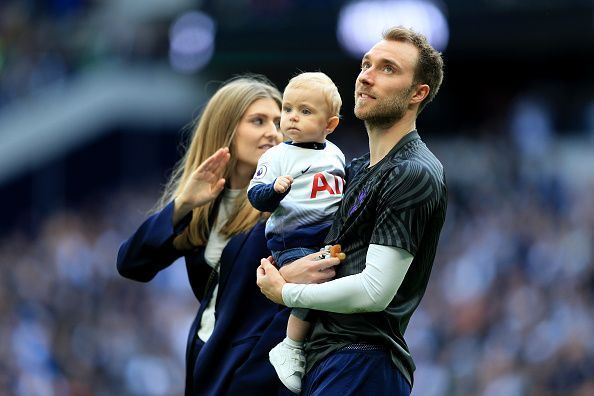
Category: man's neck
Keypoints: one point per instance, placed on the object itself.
(383, 139)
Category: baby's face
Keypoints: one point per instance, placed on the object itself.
(304, 115)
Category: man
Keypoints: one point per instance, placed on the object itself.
(388, 225)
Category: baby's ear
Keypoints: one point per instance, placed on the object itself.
(332, 124)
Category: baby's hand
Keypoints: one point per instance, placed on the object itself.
(282, 184)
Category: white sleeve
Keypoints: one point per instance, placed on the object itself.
(369, 291)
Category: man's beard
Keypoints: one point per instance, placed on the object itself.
(387, 111)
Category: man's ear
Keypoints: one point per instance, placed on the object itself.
(332, 124)
(420, 93)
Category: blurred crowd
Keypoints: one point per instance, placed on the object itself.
(34, 50)
(508, 310)
(70, 325)
(509, 306)
(46, 43)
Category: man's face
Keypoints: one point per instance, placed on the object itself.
(385, 84)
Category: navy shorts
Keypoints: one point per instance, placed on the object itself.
(284, 257)
(350, 372)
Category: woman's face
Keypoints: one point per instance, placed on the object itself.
(257, 131)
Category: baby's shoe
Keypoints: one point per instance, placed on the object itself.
(289, 363)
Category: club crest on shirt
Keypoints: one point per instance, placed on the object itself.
(358, 202)
(260, 172)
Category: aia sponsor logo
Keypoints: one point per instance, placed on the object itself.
(333, 186)
(358, 202)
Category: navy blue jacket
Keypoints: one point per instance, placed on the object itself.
(235, 359)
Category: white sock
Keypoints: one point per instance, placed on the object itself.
(293, 344)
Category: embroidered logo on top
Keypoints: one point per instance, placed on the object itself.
(305, 170)
(360, 199)
(261, 172)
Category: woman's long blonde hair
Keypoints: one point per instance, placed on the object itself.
(216, 128)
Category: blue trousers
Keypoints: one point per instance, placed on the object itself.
(355, 372)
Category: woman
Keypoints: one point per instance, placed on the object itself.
(222, 239)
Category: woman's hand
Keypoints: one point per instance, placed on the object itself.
(204, 184)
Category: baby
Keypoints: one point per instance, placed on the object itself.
(301, 182)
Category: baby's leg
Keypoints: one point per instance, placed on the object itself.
(297, 329)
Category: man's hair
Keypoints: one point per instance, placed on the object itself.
(322, 82)
(429, 68)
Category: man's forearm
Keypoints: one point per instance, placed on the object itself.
(369, 291)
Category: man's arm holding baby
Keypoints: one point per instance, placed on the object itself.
(369, 291)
